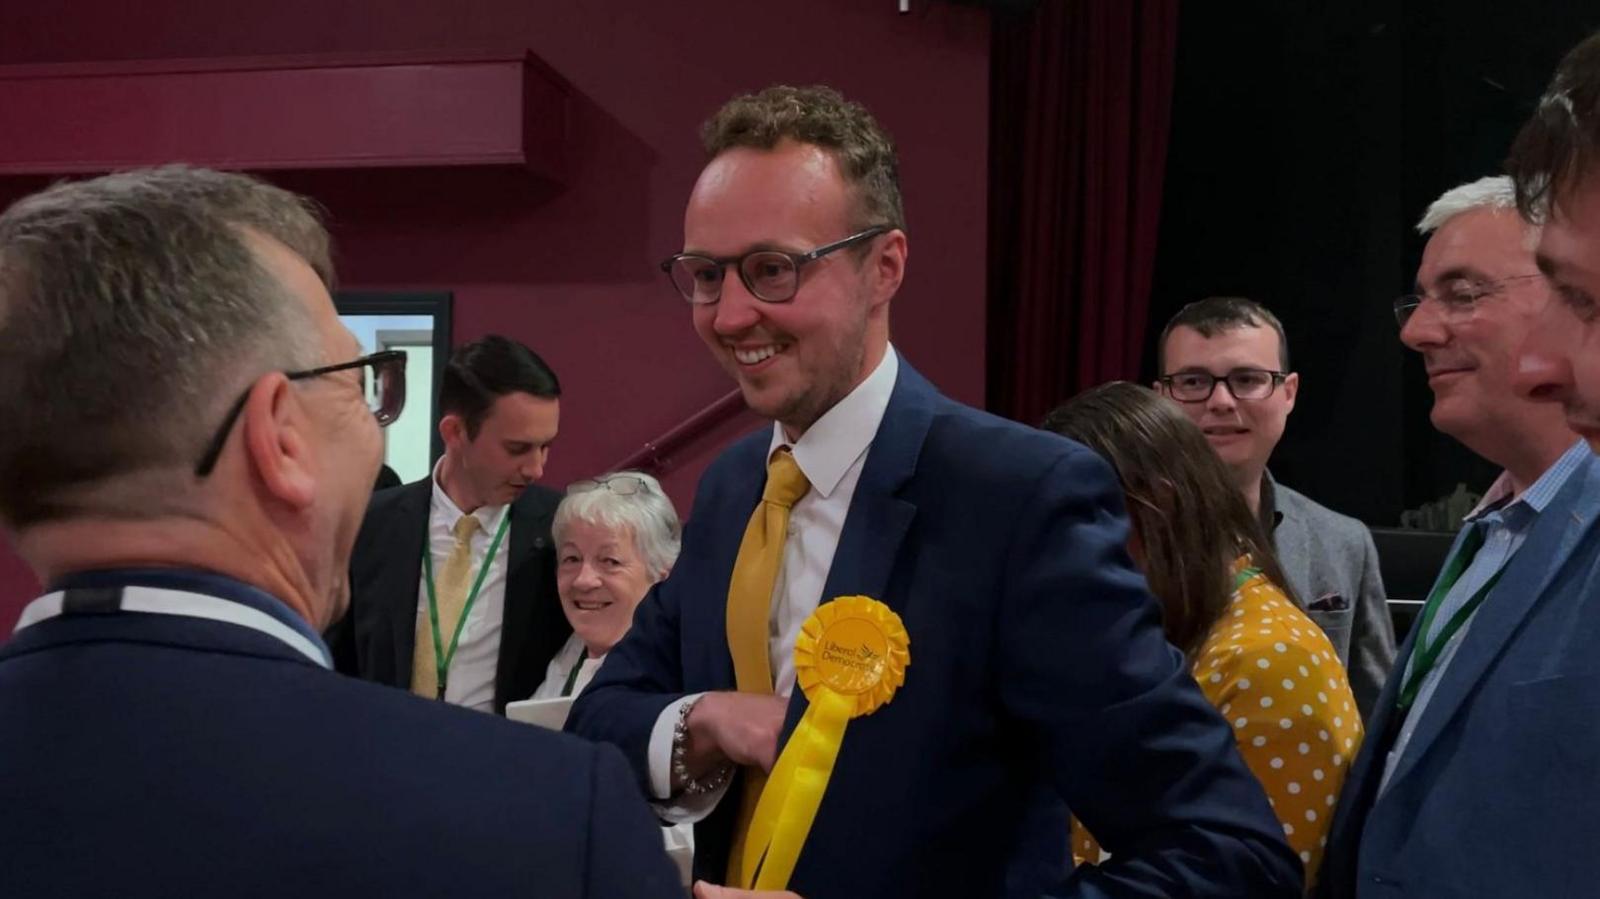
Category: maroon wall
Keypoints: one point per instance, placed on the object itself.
(572, 271)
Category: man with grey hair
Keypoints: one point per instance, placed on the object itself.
(1448, 796)
(190, 439)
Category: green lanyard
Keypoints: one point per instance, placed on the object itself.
(1243, 576)
(442, 656)
(1426, 654)
(573, 677)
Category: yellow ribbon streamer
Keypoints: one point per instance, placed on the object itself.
(850, 659)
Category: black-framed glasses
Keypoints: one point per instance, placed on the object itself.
(385, 392)
(1243, 383)
(771, 276)
(620, 484)
(1458, 298)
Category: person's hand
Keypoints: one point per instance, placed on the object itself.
(740, 727)
(703, 890)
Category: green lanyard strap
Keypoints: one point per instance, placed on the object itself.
(442, 656)
(572, 679)
(1426, 653)
(1243, 576)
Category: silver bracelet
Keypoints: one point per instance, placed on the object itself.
(680, 749)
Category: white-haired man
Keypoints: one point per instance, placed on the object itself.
(1459, 788)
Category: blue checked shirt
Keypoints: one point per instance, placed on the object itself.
(1506, 526)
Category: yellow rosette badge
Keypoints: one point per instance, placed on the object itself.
(850, 659)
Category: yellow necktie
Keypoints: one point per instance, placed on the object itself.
(755, 573)
(450, 588)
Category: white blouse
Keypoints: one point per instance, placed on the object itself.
(572, 655)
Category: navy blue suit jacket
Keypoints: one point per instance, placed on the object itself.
(151, 755)
(1497, 793)
(1038, 666)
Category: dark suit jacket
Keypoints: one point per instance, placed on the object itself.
(375, 641)
(153, 756)
(1495, 795)
(1038, 665)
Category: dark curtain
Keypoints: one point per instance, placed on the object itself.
(1080, 99)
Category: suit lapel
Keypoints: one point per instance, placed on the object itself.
(1539, 561)
(875, 527)
(397, 597)
(529, 597)
(1361, 784)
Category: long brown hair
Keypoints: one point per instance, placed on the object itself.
(1185, 509)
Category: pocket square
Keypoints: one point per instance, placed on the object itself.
(1332, 602)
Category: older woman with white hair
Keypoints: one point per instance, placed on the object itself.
(616, 535)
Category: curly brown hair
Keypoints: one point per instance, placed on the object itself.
(822, 117)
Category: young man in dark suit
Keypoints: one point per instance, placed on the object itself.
(453, 592)
(1038, 671)
(190, 437)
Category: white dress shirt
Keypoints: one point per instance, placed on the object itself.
(831, 454)
(477, 658)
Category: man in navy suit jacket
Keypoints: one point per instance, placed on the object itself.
(187, 452)
(1476, 775)
(1038, 670)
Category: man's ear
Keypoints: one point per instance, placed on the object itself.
(1291, 388)
(888, 264)
(452, 430)
(276, 440)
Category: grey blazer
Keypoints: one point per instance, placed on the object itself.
(1325, 555)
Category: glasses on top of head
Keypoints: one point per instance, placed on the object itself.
(620, 484)
(1458, 298)
(1243, 383)
(385, 392)
(771, 276)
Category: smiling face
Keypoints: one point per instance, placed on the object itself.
(1470, 351)
(601, 577)
(1243, 432)
(793, 360)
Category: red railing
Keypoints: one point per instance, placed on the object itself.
(655, 456)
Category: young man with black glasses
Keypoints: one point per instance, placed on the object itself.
(966, 577)
(1225, 362)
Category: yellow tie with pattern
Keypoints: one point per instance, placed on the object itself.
(755, 573)
(450, 592)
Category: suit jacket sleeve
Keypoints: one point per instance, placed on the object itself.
(1372, 649)
(1124, 733)
(626, 856)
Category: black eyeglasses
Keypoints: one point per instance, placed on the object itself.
(1458, 298)
(620, 484)
(385, 392)
(1243, 383)
(771, 276)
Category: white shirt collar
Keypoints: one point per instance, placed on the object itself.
(445, 508)
(829, 447)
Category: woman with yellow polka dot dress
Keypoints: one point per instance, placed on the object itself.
(1258, 658)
